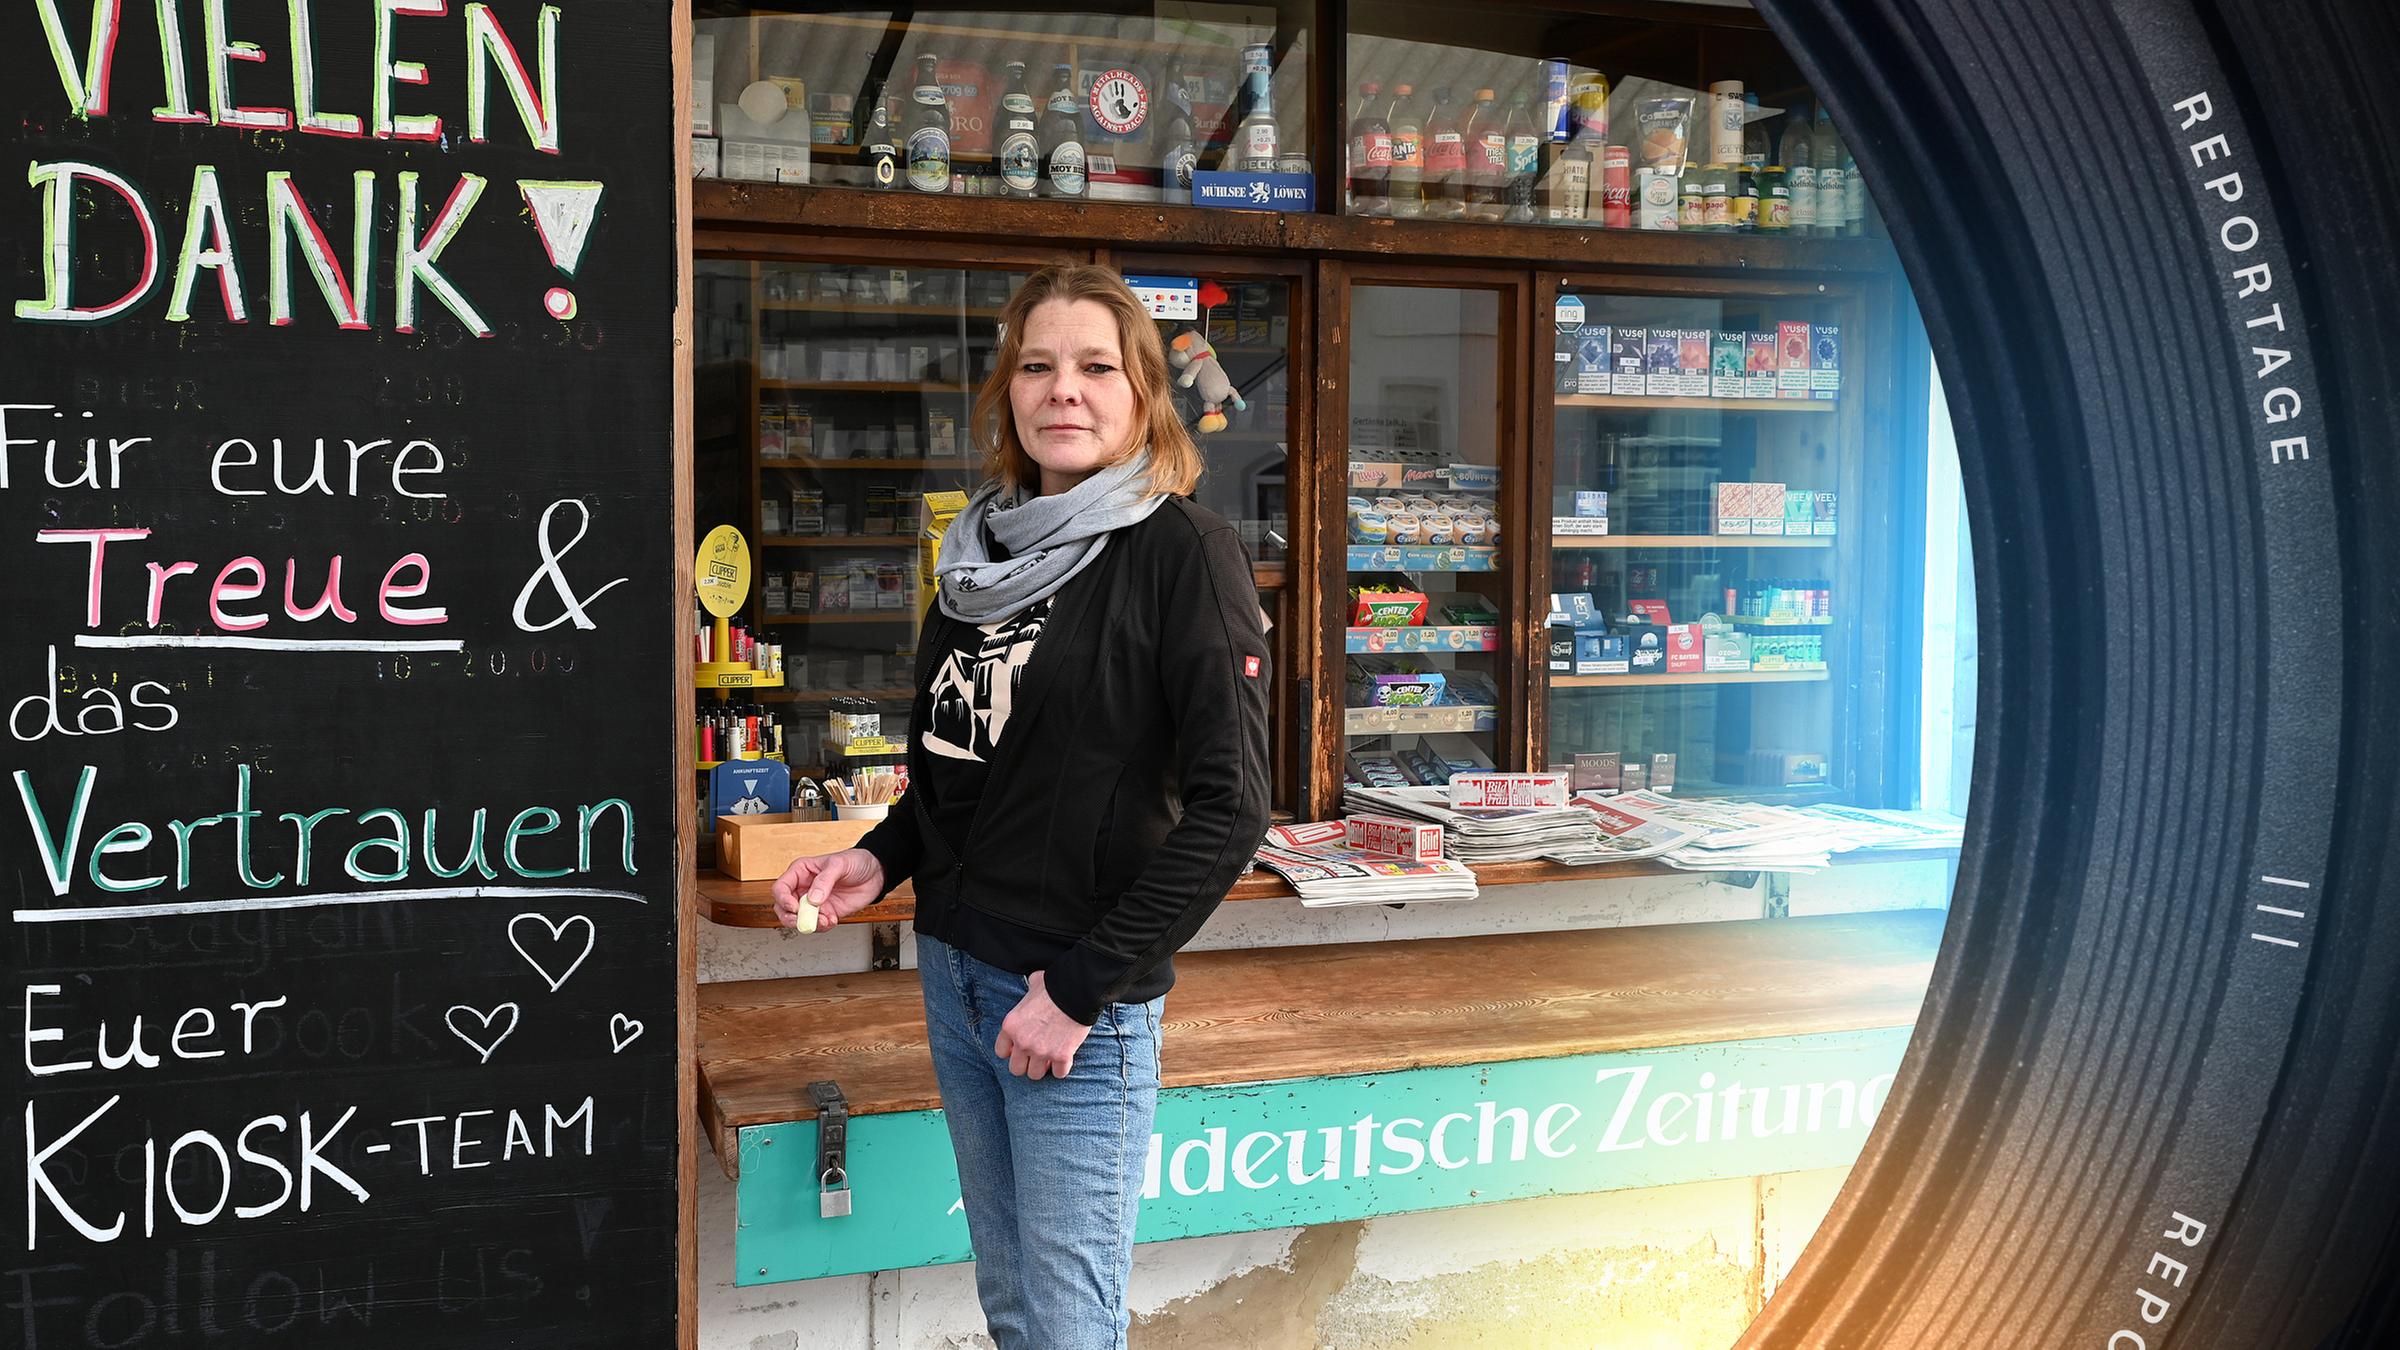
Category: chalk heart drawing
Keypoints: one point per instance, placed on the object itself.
(623, 1031)
(488, 1029)
(556, 950)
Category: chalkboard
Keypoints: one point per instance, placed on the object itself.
(336, 466)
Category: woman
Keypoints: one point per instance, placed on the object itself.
(1088, 774)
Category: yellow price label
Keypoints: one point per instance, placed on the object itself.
(721, 571)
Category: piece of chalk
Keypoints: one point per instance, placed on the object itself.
(806, 922)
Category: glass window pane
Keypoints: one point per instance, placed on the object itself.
(1425, 600)
(1110, 104)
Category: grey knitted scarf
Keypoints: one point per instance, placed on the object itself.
(1012, 546)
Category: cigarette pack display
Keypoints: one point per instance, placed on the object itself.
(1590, 503)
(1377, 770)
(1635, 777)
(770, 516)
(1598, 772)
(1601, 654)
(1728, 369)
(807, 515)
(1663, 360)
(1507, 791)
(1566, 327)
(1662, 774)
(1793, 378)
(1415, 840)
(775, 593)
(1725, 651)
(1799, 511)
(1733, 509)
(1692, 354)
(1561, 646)
(1592, 348)
(1646, 649)
(879, 509)
(1823, 523)
(803, 586)
(1766, 508)
(1684, 649)
(1651, 611)
(1761, 366)
(1629, 364)
(1825, 361)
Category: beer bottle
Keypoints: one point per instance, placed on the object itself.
(1403, 191)
(1020, 150)
(929, 132)
(881, 151)
(1182, 144)
(1063, 168)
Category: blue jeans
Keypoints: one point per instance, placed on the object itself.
(1050, 1170)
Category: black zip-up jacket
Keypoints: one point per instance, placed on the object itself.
(1131, 787)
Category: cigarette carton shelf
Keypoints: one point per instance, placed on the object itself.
(1422, 558)
(1558, 541)
(879, 616)
(1671, 403)
(829, 695)
(704, 765)
(1704, 677)
(839, 541)
(1422, 639)
(732, 675)
(1418, 721)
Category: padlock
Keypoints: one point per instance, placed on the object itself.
(833, 1194)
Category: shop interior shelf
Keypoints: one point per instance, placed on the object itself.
(806, 696)
(1755, 621)
(1691, 541)
(1704, 677)
(869, 386)
(1419, 721)
(731, 675)
(1423, 638)
(1268, 575)
(983, 34)
(879, 616)
(906, 465)
(703, 765)
(1673, 403)
(871, 307)
(1422, 558)
(838, 541)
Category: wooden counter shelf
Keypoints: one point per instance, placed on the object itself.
(1352, 1008)
(751, 904)
(730, 215)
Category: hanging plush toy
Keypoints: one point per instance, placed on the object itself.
(1192, 354)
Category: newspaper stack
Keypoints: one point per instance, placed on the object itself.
(1862, 830)
(1629, 830)
(1484, 836)
(1325, 870)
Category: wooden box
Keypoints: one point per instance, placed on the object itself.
(758, 848)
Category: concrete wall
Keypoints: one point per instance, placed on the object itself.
(1679, 1266)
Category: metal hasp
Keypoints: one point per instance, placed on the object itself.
(833, 1142)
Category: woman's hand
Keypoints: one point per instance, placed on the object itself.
(833, 885)
(1036, 1038)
